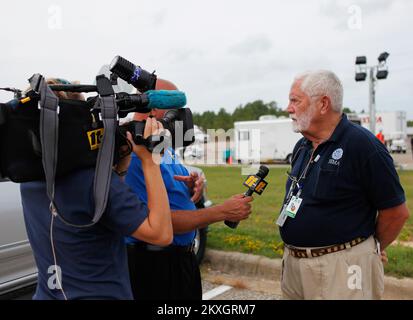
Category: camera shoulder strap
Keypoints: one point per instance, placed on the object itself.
(49, 132)
(49, 138)
(104, 163)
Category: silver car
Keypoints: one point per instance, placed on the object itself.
(17, 266)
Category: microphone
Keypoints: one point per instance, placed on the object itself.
(132, 74)
(152, 99)
(255, 183)
(165, 99)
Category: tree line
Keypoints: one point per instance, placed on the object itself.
(225, 120)
(248, 112)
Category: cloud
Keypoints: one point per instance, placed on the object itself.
(159, 18)
(221, 53)
(343, 11)
(251, 45)
(340, 7)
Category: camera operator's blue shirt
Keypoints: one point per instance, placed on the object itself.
(93, 260)
(178, 192)
(353, 178)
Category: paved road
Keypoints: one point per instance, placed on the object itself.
(238, 287)
(216, 286)
(213, 291)
(404, 159)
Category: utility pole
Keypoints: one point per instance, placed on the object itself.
(377, 72)
(372, 101)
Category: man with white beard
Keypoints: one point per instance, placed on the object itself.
(344, 203)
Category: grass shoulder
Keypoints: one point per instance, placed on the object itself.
(259, 235)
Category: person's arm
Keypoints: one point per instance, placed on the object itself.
(383, 190)
(389, 224)
(235, 208)
(157, 227)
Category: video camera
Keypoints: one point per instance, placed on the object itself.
(43, 136)
(80, 126)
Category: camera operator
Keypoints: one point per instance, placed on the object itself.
(172, 272)
(91, 262)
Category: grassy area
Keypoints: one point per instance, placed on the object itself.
(259, 234)
(406, 178)
(400, 261)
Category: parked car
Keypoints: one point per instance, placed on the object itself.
(17, 266)
(398, 146)
(204, 202)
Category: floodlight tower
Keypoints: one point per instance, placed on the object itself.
(377, 72)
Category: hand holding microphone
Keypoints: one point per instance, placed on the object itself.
(255, 183)
(237, 208)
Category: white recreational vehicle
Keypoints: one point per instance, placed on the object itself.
(393, 126)
(265, 140)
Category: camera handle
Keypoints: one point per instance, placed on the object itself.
(152, 141)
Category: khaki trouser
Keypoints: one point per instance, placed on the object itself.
(354, 273)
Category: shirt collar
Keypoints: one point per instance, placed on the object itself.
(339, 130)
(337, 133)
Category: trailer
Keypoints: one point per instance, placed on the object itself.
(393, 125)
(268, 139)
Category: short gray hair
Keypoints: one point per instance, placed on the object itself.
(323, 82)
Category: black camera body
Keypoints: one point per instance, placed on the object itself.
(177, 122)
(80, 132)
(81, 125)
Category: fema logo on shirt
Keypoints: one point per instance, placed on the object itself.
(338, 154)
(335, 156)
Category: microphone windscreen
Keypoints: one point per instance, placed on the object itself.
(166, 99)
(263, 171)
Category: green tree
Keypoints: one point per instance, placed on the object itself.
(207, 120)
(348, 110)
(225, 120)
(256, 109)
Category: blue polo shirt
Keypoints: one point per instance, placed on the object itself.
(93, 260)
(354, 177)
(178, 193)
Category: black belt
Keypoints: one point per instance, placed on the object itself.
(155, 248)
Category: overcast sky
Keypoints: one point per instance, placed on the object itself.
(222, 53)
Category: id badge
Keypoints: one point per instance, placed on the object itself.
(293, 206)
(282, 217)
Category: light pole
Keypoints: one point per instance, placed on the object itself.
(377, 72)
